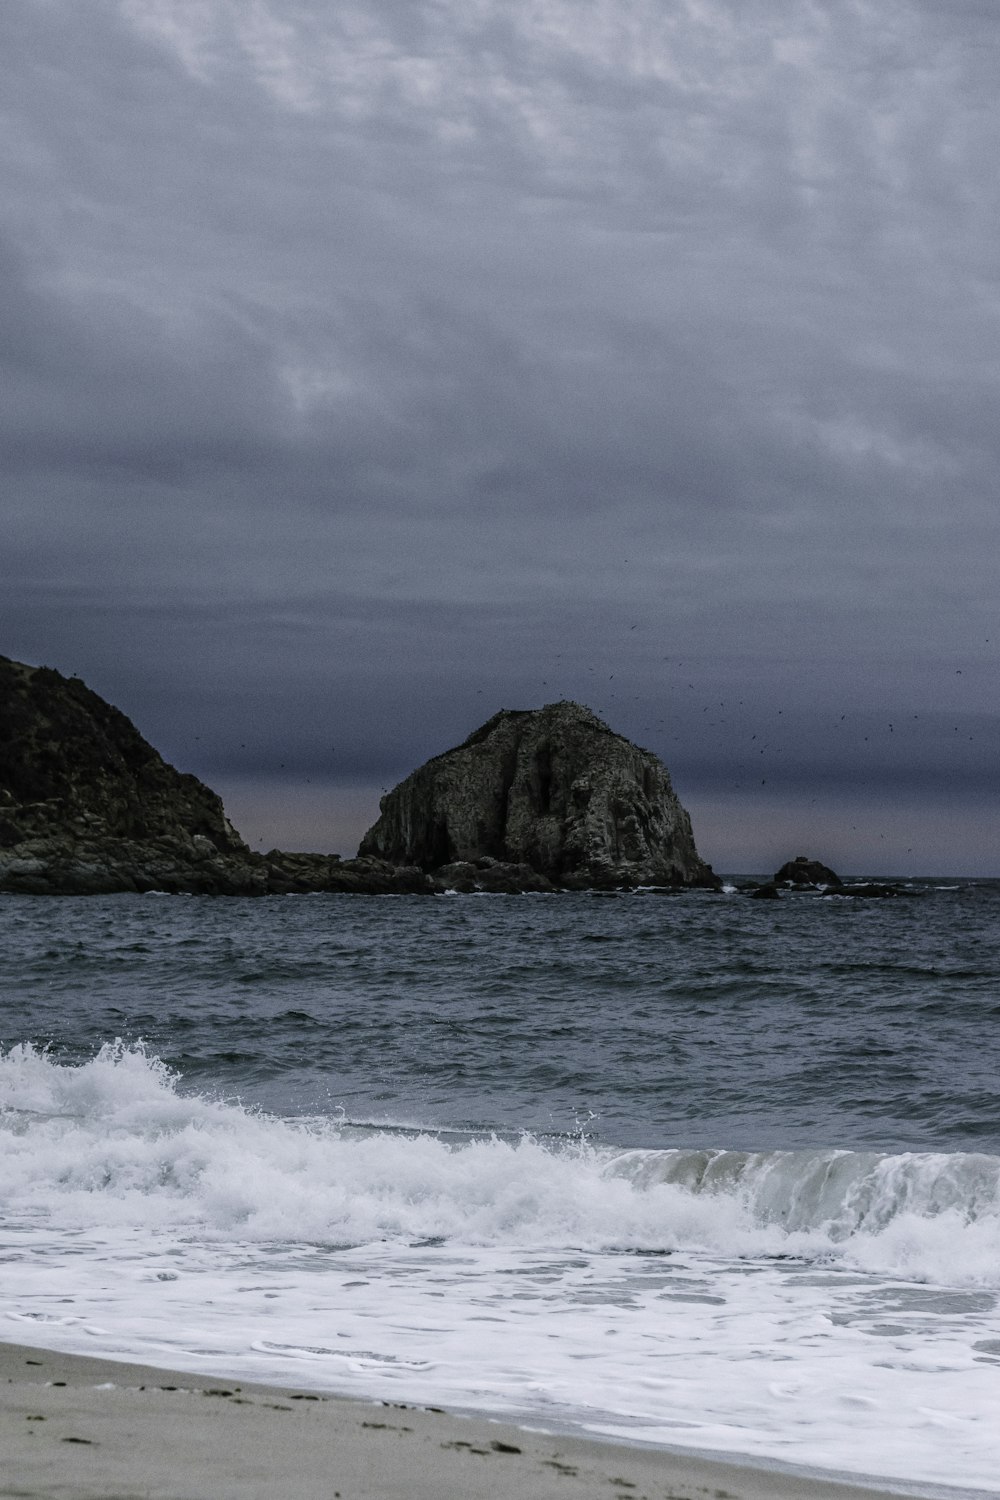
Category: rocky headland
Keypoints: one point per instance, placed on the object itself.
(537, 800)
(88, 806)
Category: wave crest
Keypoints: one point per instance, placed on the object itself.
(114, 1142)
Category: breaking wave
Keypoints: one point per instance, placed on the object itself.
(115, 1142)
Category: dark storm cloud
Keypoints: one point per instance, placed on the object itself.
(368, 366)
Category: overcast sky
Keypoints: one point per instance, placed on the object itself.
(371, 366)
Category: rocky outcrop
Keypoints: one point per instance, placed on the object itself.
(486, 874)
(811, 877)
(533, 801)
(87, 806)
(551, 790)
(802, 871)
(293, 874)
(766, 892)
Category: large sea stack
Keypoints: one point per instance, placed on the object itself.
(550, 793)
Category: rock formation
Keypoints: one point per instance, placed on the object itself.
(550, 795)
(535, 800)
(88, 806)
(809, 875)
(803, 871)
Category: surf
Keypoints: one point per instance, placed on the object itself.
(116, 1140)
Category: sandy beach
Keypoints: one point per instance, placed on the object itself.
(75, 1428)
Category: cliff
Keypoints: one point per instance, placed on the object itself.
(88, 806)
(547, 796)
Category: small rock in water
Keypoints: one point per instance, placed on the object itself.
(802, 871)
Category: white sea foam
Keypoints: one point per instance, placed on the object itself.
(114, 1142)
(832, 1308)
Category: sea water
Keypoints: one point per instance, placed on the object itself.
(688, 1170)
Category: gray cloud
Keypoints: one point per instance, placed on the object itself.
(368, 367)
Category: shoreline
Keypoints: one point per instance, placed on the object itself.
(80, 1427)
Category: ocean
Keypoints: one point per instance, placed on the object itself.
(688, 1170)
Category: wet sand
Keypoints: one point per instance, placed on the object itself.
(75, 1428)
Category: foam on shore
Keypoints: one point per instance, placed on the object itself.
(835, 1309)
(94, 1429)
